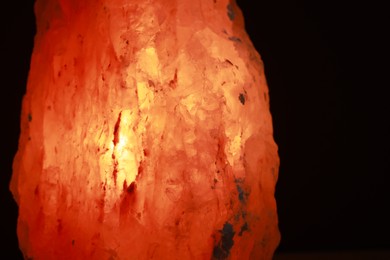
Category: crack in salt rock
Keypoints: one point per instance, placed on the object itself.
(115, 142)
(116, 129)
(241, 97)
(221, 159)
(173, 82)
(131, 187)
(229, 62)
(115, 171)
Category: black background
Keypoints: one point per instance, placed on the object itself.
(327, 71)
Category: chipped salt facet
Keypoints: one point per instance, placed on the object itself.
(146, 134)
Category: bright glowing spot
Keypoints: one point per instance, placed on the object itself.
(127, 150)
(148, 61)
(145, 95)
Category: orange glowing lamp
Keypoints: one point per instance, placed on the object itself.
(146, 134)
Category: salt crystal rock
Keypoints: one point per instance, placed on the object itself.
(145, 134)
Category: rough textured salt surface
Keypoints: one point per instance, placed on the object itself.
(146, 134)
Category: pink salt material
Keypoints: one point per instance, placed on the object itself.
(146, 134)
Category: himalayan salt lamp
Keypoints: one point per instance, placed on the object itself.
(145, 134)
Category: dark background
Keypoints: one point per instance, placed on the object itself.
(327, 72)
